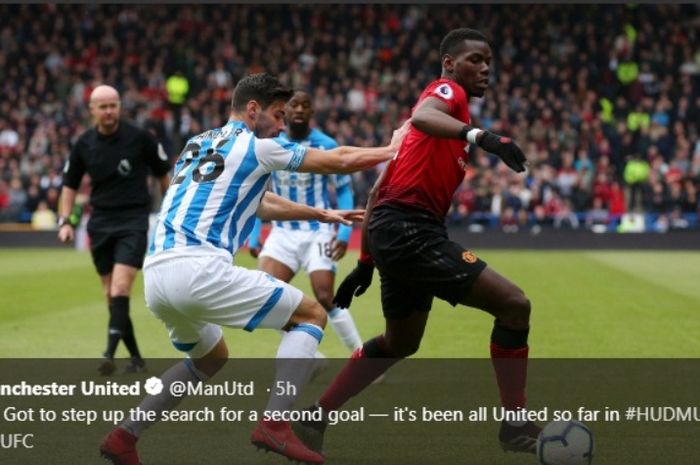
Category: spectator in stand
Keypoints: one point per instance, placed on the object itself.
(44, 218)
(577, 83)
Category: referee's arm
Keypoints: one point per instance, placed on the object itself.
(72, 176)
(158, 160)
(66, 233)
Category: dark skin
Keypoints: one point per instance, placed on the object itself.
(299, 111)
(491, 292)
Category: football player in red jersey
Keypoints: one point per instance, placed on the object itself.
(404, 236)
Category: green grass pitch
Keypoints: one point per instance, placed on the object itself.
(585, 304)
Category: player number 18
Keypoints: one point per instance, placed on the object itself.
(324, 248)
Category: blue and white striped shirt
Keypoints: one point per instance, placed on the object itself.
(218, 183)
(312, 190)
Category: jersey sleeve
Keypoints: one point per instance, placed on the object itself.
(448, 92)
(254, 238)
(74, 169)
(345, 202)
(156, 158)
(279, 154)
(341, 182)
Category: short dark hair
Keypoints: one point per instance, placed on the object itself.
(264, 88)
(453, 42)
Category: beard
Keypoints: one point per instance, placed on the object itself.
(298, 128)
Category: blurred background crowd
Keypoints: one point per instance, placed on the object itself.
(604, 100)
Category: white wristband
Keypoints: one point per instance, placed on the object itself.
(472, 135)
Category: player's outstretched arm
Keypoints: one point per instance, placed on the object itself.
(432, 117)
(347, 159)
(274, 207)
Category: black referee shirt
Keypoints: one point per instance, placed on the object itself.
(118, 165)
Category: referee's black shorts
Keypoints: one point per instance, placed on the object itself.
(118, 238)
(417, 261)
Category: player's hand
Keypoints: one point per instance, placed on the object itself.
(338, 250)
(505, 148)
(354, 284)
(66, 233)
(254, 251)
(398, 135)
(346, 217)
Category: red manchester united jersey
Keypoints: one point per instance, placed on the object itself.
(427, 170)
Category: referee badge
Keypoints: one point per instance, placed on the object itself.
(124, 167)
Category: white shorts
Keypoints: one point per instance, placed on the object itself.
(195, 295)
(310, 250)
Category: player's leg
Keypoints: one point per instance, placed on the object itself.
(464, 278)
(318, 264)
(275, 268)
(225, 295)
(302, 334)
(340, 319)
(501, 298)
(279, 255)
(168, 296)
(509, 349)
(405, 305)
(295, 355)
(120, 445)
(401, 339)
(406, 311)
(129, 250)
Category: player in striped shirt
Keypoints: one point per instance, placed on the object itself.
(206, 215)
(311, 245)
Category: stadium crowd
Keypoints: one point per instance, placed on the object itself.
(604, 100)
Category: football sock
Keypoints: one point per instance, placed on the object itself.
(184, 371)
(116, 326)
(295, 361)
(113, 337)
(509, 352)
(120, 306)
(344, 326)
(318, 355)
(364, 366)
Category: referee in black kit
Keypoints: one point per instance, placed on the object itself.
(117, 156)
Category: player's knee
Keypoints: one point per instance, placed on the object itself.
(321, 316)
(316, 315)
(309, 311)
(402, 348)
(517, 309)
(325, 298)
(214, 360)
